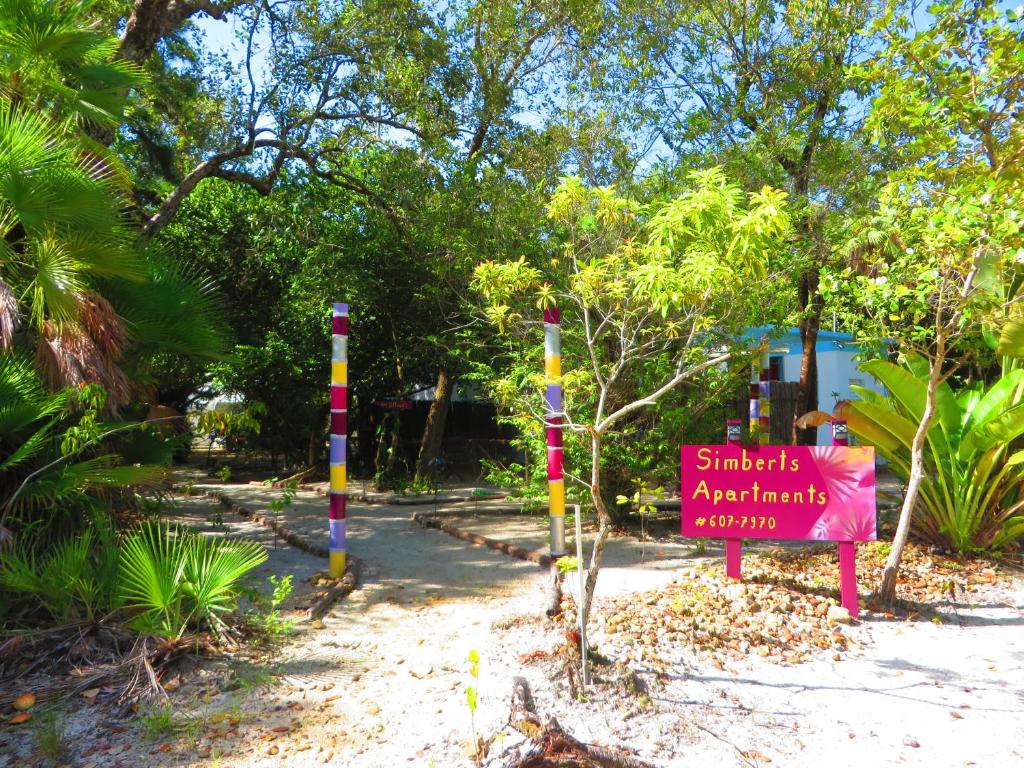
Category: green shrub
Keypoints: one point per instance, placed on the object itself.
(177, 580)
(75, 580)
(972, 495)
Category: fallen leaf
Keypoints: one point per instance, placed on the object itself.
(955, 715)
(20, 717)
(25, 701)
(90, 694)
(909, 742)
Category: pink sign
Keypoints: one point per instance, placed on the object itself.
(817, 493)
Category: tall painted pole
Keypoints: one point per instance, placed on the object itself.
(764, 410)
(734, 547)
(755, 402)
(339, 438)
(554, 409)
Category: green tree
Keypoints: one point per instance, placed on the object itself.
(946, 243)
(762, 88)
(653, 297)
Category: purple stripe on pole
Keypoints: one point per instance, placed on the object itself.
(337, 541)
(339, 325)
(552, 315)
(339, 423)
(338, 449)
(337, 503)
(339, 397)
(555, 465)
(554, 438)
(339, 308)
(553, 395)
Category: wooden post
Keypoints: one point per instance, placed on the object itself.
(338, 449)
(847, 549)
(733, 547)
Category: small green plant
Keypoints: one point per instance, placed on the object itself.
(162, 722)
(471, 699)
(188, 487)
(643, 501)
(248, 677)
(282, 502)
(176, 579)
(216, 518)
(265, 616)
(225, 473)
(48, 727)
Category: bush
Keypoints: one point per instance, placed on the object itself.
(176, 580)
(972, 495)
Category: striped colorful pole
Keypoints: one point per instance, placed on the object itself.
(339, 431)
(764, 409)
(553, 401)
(734, 547)
(755, 403)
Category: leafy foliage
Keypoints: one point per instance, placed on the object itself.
(972, 494)
(177, 580)
(655, 297)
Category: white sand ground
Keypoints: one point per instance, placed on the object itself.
(382, 683)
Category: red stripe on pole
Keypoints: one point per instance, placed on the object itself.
(339, 423)
(337, 503)
(339, 397)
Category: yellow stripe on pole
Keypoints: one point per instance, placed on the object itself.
(338, 477)
(553, 366)
(336, 564)
(556, 497)
(339, 373)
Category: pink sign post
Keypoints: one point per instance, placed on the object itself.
(847, 549)
(810, 493)
(734, 547)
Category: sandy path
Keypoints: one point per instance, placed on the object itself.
(382, 682)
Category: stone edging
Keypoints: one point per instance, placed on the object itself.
(269, 522)
(399, 501)
(430, 521)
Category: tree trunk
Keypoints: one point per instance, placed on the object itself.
(316, 438)
(604, 524)
(391, 468)
(152, 20)
(886, 593)
(811, 305)
(433, 430)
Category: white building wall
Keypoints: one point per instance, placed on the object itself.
(837, 370)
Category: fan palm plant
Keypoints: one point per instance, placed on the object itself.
(62, 226)
(46, 482)
(972, 494)
(176, 579)
(73, 285)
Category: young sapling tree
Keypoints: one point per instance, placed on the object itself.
(652, 297)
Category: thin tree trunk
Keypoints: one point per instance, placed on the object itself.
(396, 445)
(433, 430)
(886, 593)
(316, 438)
(811, 305)
(604, 524)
